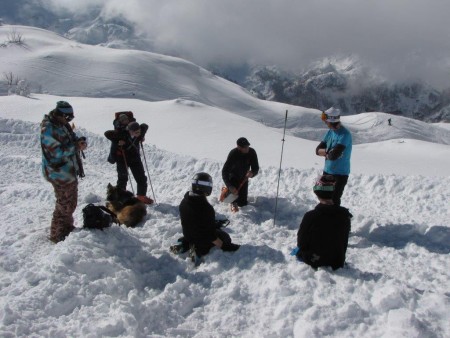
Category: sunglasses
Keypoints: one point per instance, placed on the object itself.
(69, 117)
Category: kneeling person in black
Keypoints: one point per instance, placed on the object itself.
(198, 219)
(322, 238)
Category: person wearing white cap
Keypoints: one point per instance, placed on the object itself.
(336, 147)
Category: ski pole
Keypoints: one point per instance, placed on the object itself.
(126, 165)
(279, 171)
(148, 174)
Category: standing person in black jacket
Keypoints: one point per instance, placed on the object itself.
(128, 155)
(322, 238)
(241, 164)
(198, 220)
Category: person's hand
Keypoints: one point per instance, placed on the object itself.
(322, 152)
(218, 242)
(233, 190)
(249, 174)
(121, 143)
(82, 145)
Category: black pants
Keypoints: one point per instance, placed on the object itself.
(341, 182)
(203, 248)
(243, 192)
(137, 169)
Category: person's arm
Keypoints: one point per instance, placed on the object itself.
(226, 171)
(254, 165)
(335, 152)
(144, 128)
(303, 232)
(321, 149)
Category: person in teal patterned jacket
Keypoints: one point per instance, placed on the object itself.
(61, 166)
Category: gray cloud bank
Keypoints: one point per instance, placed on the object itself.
(402, 39)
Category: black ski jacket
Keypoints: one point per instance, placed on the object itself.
(198, 220)
(238, 164)
(131, 146)
(323, 236)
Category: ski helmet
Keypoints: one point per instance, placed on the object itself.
(202, 184)
(324, 186)
(64, 109)
(332, 115)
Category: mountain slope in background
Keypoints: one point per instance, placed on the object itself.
(63, 67)
(334, 81)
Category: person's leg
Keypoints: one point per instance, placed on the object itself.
(341, 181)
(243, 192)
(122, 174)
(226, 239)
(139, 175)
(66, 203)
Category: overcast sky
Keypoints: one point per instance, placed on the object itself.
(401, 38)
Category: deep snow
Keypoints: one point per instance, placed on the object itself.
(124, 282)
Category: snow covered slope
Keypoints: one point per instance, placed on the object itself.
(125, 283)
(62, 67)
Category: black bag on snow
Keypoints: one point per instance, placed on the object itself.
(97, 217)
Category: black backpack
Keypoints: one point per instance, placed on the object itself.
(97, 217)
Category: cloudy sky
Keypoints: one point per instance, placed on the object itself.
(401, 38)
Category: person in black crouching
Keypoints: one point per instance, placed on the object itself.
(323, 234)
(241, 165)
(198, 221)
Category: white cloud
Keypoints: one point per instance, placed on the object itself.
(401, 38)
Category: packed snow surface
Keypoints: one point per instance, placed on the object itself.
(124, 282)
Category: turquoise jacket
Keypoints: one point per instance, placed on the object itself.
(58, 142)
(332, 138)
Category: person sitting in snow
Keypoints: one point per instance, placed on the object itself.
(322, 238)
(198, 221)
(128, 141)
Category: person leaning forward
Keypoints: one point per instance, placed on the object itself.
(128, 142)
(61, 166)
(241, 164)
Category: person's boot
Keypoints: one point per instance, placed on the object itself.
(144, 199)
(234, 207)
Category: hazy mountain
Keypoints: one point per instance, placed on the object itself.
(347, 84)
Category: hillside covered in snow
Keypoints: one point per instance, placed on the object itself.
(124, 282)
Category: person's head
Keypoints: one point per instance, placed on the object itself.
(202, 184)
(134, 129)
(324, 187)
(332, 117)
(124, 119)
(64, 111)
(243, 145)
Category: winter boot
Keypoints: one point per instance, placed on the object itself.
(193, 256)
(144, 199)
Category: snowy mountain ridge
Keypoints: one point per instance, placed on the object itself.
(59, 66)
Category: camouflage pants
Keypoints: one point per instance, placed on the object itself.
(66, 203)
